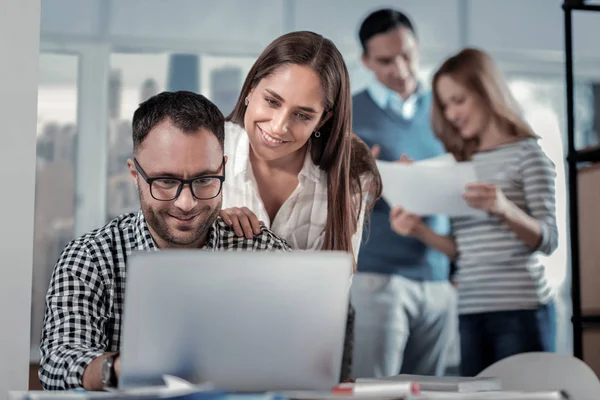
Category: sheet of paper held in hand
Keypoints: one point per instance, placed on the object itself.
(429, 187)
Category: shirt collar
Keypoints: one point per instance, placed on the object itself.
(380, 94)
(241, 160)
(241, 163)
(386, 98)
(312, 171)
(143, 237)
(213, 239)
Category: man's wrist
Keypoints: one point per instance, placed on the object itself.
(420, 231)
(109, 373)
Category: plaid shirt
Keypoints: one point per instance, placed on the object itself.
(84, 304)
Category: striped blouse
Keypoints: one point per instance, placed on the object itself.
(496, 270)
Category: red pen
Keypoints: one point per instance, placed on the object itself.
(378, 388)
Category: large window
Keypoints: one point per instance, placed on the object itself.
(133, 79)
(136, 77)
(221, 79)
(54, 191)
(542, 103)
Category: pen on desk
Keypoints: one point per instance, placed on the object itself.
(388, 388)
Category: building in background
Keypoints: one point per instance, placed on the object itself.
(225, 85)
(54, 210)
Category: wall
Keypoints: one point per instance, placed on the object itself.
(19, 47)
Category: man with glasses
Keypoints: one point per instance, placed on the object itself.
(179, 168)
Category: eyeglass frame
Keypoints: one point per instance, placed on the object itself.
(182, 182)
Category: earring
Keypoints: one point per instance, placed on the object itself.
(317, 134)
(246, 101)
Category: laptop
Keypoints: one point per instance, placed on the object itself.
(241, 321)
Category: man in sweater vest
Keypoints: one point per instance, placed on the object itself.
(405, 305)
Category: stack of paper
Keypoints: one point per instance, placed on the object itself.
(446, 383)
(500, 395)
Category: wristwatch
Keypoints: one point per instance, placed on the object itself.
(109, 377)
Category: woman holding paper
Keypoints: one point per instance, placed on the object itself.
(505, 301)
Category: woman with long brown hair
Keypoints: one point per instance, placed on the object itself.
(293, 162)
(505, 301)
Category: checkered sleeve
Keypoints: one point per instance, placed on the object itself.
(267, 240)
(76, 309)
(264, 241)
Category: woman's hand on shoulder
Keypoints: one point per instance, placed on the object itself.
(243, 221)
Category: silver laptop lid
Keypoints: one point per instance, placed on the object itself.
(246, 321)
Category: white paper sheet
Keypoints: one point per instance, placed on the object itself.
(495, 395)
(428, 187)
(444, 159)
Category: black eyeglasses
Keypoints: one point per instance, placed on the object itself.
(169, 188)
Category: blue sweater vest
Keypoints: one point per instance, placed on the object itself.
(384, 251)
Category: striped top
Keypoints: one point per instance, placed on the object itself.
(496, 270)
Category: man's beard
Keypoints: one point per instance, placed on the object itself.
(157, 220)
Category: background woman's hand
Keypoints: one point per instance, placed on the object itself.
(244, 222)
(486, 197)
(405, 223)
(376, 151)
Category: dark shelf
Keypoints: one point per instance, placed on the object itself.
(581, 156)
(589, 322)
(595, 319)
(582, 7)
(575, 157)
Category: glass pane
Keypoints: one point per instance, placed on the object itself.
(55, 181)
(134, 78)
(543, 106)
(221, 79)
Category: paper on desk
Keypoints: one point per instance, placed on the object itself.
(324, 395)
(173, 387)
(495, 395)
(428, 188)
(176, 383)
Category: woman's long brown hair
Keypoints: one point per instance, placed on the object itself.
(346, 159)
(477, 72)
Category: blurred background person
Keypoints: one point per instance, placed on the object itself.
(505, 301)
(405, 306)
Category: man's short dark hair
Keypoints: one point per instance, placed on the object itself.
(188, 111)
(383, 21)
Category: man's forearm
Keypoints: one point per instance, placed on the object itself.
(443, 244)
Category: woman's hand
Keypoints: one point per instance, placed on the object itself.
(244, 222)
(405, 223)
(376, 151)
(486, 197)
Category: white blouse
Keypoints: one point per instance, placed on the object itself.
(302, 218)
